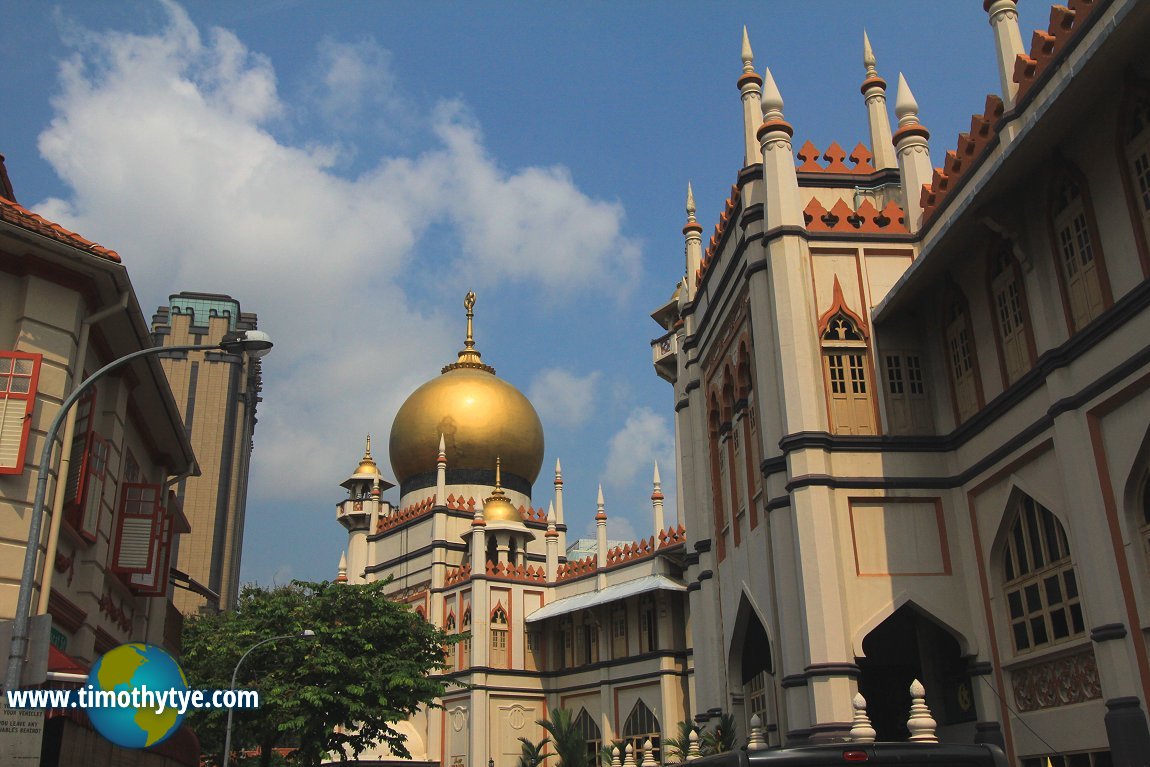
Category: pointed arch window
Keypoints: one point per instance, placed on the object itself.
(619, 633)
(499, 637)
(1011, 316)
(640, 726)
(717, 509)
(465, 645)
(961, 356)
(750, 435)
(845, 365)
(1040, 585)
(1144, 518)
(590, 733)
(451, 652)
(588, 636)
(1082, 273)
(730, 436)
(1136, 151)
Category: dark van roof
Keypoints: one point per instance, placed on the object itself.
(862, 755)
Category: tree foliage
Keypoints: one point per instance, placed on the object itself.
(567, 739)
(367, 666)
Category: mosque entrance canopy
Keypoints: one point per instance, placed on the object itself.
(619, 591)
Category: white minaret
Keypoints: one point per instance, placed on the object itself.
(910, 142)
(780, 182)
(601, 540)
(552, 536)
(750, 86)
(874, 94)
(657, 503)
(441, 475)
(558, 493)
(693, 235)
(341, 577)
(1007, 45)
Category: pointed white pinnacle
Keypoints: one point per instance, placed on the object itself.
(905, 107)
(658, 482)
(690, 204)
(868, 57)
(772, 99)
(748, 54)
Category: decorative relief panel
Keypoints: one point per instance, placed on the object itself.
(1057, 682)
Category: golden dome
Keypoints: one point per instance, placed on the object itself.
(481, 418)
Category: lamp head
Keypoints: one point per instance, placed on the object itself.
(306, 634)
(254, 342)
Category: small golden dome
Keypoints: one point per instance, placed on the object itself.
(497, 508)
(367, 464)
(479, 416)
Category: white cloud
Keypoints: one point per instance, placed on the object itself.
(563, 398)
(166, 141)
(646, 437)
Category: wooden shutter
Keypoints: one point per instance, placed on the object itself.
(139, 526)
(91, 494)
(19, 376)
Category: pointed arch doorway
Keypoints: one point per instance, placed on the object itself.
(906, 646)
(751, 667)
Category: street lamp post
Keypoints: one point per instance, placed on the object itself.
(251, 342)
(305, 634)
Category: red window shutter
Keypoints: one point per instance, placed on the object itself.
(77, 458)
(140, 523)
(91, 499)
(19, 376)
(154, 583)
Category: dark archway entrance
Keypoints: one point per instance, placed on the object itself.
(752, 668)
(908, 646)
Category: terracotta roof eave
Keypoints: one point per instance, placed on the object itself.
(851, 180)
(967, 194)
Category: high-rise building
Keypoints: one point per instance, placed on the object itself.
(217, 394)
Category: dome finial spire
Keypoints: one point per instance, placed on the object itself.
(469, 356)
(469, 305)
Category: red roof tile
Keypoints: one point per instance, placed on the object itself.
(16, 214)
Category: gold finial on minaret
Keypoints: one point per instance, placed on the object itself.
(469, 356)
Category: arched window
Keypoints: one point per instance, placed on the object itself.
(619, 633)
(750, 435)
(499, 637)
(1144, 518)
(465, 651)
(1011, 317)
(421, 612)
(591, 733)
(640, 726)
(845, 363)
(961, 358)
(1136, 153)
(1081, 271)
(1040, 584)
(731, 463)
(452, 653)
(719, 513)
(648, 625)
(588, 636)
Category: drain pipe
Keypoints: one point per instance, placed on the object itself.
(66, 451)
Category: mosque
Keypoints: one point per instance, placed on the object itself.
(467, 548)
(912, 408)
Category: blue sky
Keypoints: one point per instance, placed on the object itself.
(349, 170)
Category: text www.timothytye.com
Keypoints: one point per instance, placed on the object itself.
(137, 698)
